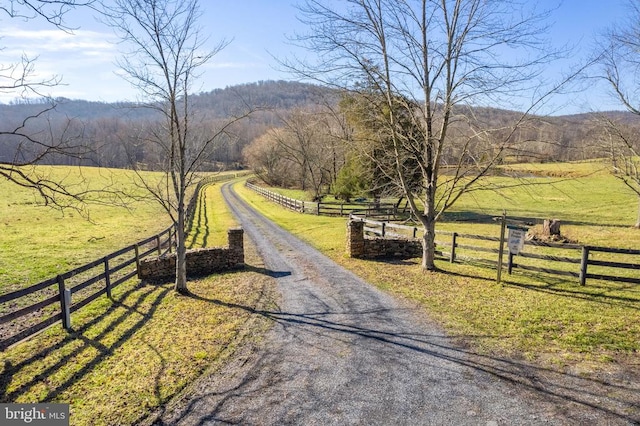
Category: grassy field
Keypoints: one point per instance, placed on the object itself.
(534, 316)
(130, 354)
(38, 242)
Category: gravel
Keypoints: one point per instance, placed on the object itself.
(343, 352)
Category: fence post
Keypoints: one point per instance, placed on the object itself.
(454, 238)
(65, 303)
(510, 263)
(503, 226)
(107, 277)
(318, 206)
(384, 226)
(583, 265)
(158, 244)
(415, 232)
(137, 249)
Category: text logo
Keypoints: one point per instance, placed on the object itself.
(34, 414)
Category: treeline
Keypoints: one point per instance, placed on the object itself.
(297, 134)
(343, 149)
(119, 134)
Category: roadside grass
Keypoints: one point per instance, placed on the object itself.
(533, 316)
(297, 194)
(130, 354)
(211, 215)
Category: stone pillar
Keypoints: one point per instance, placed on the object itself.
(236, 245)
(355, 238)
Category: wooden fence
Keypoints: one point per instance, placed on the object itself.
(380, 210)
(567, 260)
(30, 310)
(82, 285)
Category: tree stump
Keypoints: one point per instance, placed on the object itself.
(551, 228)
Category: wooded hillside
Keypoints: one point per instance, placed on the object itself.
(115, 132)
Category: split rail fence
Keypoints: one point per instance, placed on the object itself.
(567, 260)
(58, 297)
(380, 210)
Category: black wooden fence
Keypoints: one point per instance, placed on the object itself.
(567, 260)
(82, 285)
(380, 210)
(30, 310)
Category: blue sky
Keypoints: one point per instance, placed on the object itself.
(258, 29)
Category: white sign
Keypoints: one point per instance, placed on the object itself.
(515, 241)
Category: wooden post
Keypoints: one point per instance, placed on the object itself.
(384, 226)
(158, 244)
(318, 206)
(67, 309)
(65, 303)
(137, 249)
(510, 263)
(583, 265)
(452, 257)
(503, 226)
(107, 277)
(415, 232)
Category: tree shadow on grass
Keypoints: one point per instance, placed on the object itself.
(609, 397)
(77, 337)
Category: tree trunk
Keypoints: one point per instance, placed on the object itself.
(429, 246)
(181, 253)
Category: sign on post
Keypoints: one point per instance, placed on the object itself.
(515, 239)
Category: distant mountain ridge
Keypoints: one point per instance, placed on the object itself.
(112, 127)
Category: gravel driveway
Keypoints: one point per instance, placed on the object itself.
(343, 352)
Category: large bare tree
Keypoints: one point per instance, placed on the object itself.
(432, 62)
(31, 141)
(165, 51)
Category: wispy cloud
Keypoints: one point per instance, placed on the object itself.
(53, 41)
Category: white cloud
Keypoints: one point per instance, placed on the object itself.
(84, 59)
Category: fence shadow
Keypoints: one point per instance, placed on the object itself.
(77, 342)
(202, 223)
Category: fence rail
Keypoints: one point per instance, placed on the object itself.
(388, 210)
(60, 296)
(541, 256)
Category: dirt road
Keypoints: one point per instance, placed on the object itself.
(342, 352)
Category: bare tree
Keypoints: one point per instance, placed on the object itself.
(305, 151)
(620, 59)
(431, 61)
(31, 141)
(165, 51)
